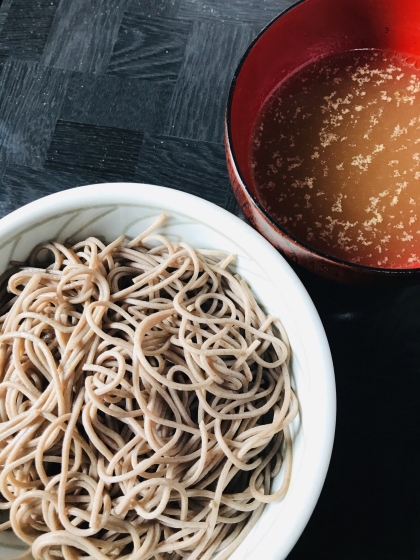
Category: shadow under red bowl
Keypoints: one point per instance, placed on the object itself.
(307, 31)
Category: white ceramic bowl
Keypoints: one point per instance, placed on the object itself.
(111, 209)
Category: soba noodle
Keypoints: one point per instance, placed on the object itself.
(144, 402)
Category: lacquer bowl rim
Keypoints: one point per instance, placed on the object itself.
(276, 228)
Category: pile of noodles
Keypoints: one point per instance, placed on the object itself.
(144, 402)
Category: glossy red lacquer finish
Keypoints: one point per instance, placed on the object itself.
(307, 31)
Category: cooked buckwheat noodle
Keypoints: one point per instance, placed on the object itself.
(145, 400)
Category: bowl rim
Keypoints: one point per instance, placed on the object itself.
(361, 268)
(318, 450)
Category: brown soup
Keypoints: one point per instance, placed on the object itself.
(335, 157)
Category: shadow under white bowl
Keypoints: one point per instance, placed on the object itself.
(111, 209)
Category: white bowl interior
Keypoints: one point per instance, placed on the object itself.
(108, 211)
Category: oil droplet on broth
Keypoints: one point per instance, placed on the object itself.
(335, 157)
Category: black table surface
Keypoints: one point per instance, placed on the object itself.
(95, 91)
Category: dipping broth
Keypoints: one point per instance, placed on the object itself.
(335, 157)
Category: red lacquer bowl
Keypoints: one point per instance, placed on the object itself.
(305, 32)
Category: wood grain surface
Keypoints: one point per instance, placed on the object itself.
(96, 71)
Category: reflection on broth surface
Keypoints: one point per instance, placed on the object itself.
(335, 157)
